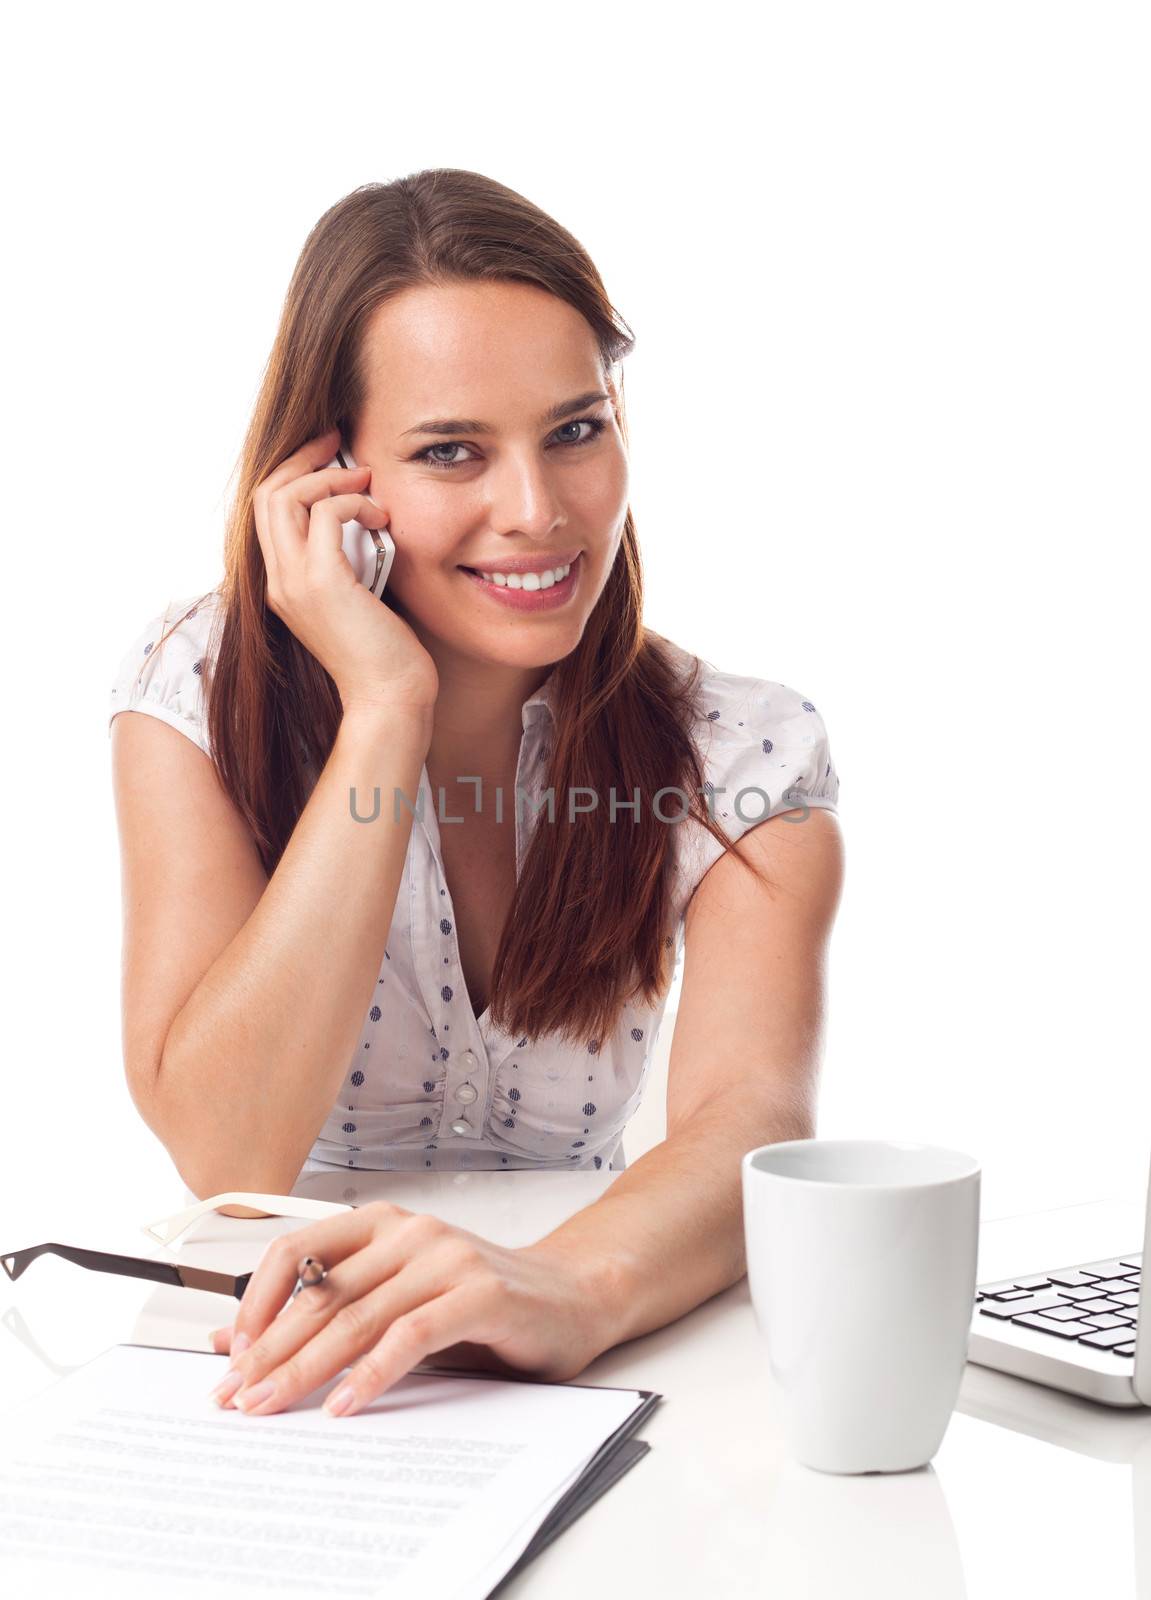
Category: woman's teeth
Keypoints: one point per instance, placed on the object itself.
(528, 580)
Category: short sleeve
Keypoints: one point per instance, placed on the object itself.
(764, 749)
(164, 677)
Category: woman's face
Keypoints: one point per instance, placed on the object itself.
(502, 354)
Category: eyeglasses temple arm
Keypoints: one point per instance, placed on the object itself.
(16, 1262)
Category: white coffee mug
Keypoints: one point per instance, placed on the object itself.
(861, 1261)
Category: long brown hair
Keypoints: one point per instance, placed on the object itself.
(590, 927)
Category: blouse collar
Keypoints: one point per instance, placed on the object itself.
(544, 696)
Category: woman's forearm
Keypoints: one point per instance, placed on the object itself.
(669, 1232)
(254, 1060)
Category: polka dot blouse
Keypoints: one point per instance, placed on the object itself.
(429, 1084)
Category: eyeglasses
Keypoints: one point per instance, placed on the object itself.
(164, 1230)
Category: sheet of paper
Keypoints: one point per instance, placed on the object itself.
(127, 1480)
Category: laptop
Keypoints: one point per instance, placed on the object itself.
(1072, 1326)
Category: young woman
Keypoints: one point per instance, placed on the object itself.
(472, 976)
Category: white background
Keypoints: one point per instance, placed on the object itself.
(887, 266)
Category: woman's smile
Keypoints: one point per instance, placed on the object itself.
(513, 593)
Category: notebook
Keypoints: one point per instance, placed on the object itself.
(125, 1478)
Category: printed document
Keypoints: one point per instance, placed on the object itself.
(127, 1480)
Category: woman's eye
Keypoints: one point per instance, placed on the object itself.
(432, 460)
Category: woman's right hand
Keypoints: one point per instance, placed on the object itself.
(372, 655)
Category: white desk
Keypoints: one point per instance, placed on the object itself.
(1031, 1494)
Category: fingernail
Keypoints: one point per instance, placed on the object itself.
(228, 1386)
(256, 1395)
(240, 1343)
(340, 1401)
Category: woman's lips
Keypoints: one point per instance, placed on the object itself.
(530, 599)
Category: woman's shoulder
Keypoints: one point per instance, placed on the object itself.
(734, 709)
(764, 749)
(162, 671)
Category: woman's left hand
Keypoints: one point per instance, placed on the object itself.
(400, 1288)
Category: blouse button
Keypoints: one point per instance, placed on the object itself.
(461, 1125)
(466, 1092)
(469, 1058)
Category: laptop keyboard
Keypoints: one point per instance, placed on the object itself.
(1096, 1304)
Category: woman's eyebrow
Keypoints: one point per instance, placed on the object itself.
(470, 425)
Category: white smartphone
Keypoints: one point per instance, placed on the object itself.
(370, 551)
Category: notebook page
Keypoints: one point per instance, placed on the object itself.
(127, 1479)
